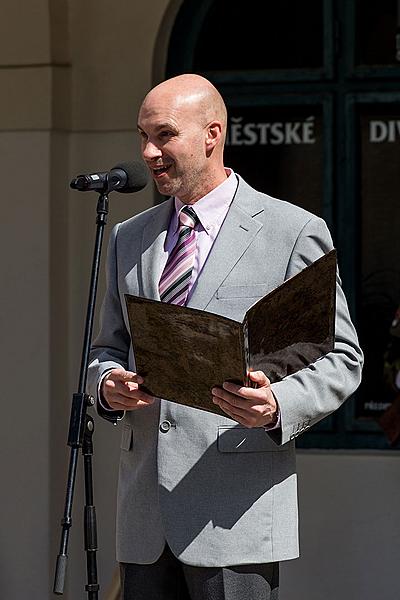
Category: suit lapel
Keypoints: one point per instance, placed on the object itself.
(235, 236)
(153, 240)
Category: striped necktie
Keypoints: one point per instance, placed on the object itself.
(174, 282)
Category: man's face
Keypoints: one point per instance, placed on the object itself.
(173, 147)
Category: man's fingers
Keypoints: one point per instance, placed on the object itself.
(115, 390)
(252, 407)
(249, 416)
(240, 406)
(259, 377)
(241, 391)
(237, 414)
(235, 398)
(125, 388)
(234, 411)
(251, 393)
(128, 400)
(122, 392)
(124, 376)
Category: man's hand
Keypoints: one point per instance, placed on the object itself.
(120, 389)
(252, 407)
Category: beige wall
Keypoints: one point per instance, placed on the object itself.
(349, 527)
(24, 326)
(70, 86)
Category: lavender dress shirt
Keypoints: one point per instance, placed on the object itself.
(211, 211)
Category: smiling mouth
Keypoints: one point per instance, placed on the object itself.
(158, 171)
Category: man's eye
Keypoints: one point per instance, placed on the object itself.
(165, 134)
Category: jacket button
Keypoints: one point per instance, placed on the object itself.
(165, 426)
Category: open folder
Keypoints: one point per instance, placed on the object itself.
(182, 353)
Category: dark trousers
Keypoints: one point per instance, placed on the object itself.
(169, 579)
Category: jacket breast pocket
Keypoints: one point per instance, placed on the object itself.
(242, 439)
(242, 291)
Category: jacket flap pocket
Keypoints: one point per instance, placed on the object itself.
(242, 439)
(242, 291)
(126, 438)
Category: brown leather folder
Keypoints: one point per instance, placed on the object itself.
(182, 352)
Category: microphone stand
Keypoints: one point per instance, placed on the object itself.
(80, 434)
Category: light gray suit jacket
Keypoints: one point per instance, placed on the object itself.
(219, 493)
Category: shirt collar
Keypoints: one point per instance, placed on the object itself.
(212, 208)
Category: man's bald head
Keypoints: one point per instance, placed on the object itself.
(182, 122)
(191, 93)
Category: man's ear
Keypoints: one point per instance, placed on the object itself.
(213, 135)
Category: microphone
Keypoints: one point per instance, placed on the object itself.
(126, 177)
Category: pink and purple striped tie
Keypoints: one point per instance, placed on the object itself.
(174, 282)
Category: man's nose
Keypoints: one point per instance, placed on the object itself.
(150, 151)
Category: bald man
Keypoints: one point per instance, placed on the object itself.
(207, 505)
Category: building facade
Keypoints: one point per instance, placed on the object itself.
(314, 101)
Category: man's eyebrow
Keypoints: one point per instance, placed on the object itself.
(159, 127)
(165, 126)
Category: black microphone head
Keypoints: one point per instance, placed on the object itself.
(137, 176)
